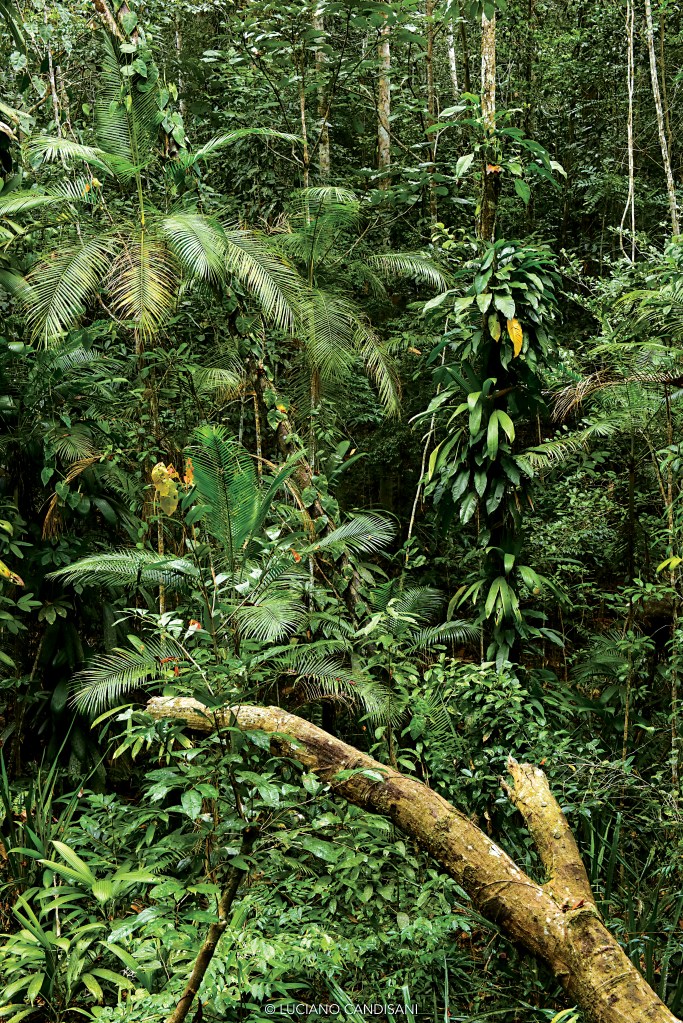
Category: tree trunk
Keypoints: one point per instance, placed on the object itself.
(556, 921)
(465, 49)
(659, 110)
(630, 70)
(431, 107)
(324, 164)
(452, 61)
(384, 108)
(491, 183)
(305, 155)
(216, 931)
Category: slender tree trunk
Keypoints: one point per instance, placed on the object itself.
(179, 53)
(305, 154)
(452, 61)
(462, 25)
(53, 91)
(662, 71)
(431, 107)
(324, 164)
(108, 19)
(491, 184)
(384, 108)
(557, 921)
(659, 110)
(630, 206)
(673, 582)
(216, 931)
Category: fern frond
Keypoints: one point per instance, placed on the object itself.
(448, 632)
(272, 620)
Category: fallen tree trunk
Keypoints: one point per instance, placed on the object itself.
(557, 921)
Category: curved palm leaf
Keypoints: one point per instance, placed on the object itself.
(142, 282)
(128, 567)
(58, 289)
(412, 265)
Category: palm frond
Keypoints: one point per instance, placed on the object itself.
(142, 283)
(50, 148)
(339, 207)
(227, 138)
(364, 533)
(24, 202)
(337, 338)
(58, 289)
(447, 632)
(272, 620)
(226, 481)
(414, 266)
(199, 245)
(127, 117)
(109, 676)
(321, 677)
(274, 284)
(128, 567)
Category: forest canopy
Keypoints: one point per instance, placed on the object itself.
(341, 529)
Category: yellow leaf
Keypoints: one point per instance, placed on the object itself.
(169, 502)
(5, 573)
(516, 335)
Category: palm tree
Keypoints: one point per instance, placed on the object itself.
(320, 236)
(262, 610)
(133, 258)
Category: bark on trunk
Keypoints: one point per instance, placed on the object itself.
(324, 163)
(557, 921)
(108, 19)
(490, 187)
(384, 109)
(630, 207)
(431, 107)
(659, 110)
(452, 61)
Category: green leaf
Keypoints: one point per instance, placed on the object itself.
(506, 305)
(507, 424)
(323, 850)
(468, 508)
(191, 802)
(103, 890)
(75, 862)
(35, 986)
(522, 190)
(93, 987)
(463, 165)
(484, 301)
(492, 435)
(495, 327)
